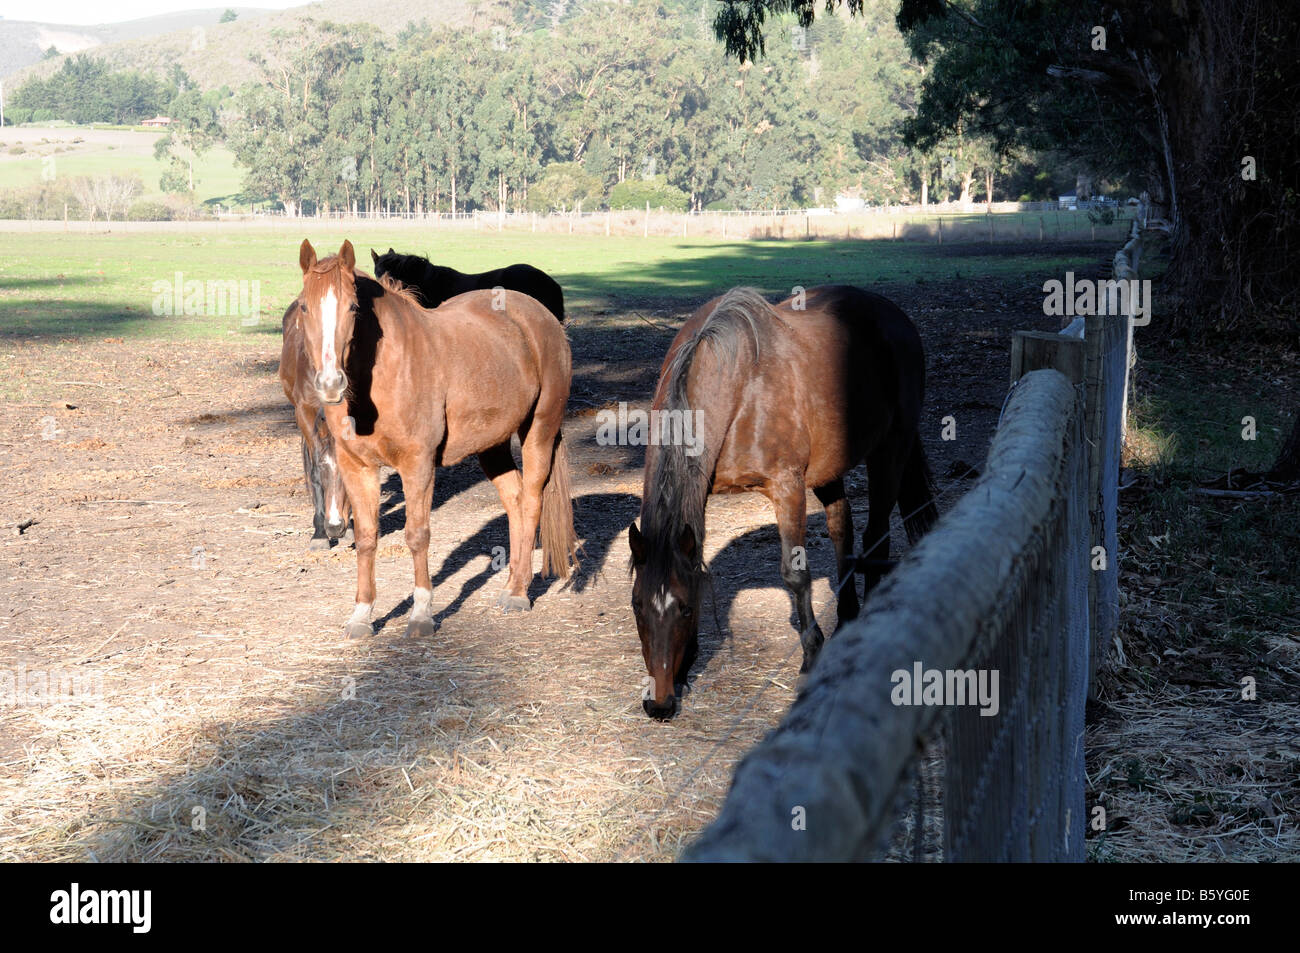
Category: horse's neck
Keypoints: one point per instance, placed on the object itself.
(693, 486)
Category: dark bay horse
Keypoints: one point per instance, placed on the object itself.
(434, 284)
(330, 507)
(415, 389)
(785, 397)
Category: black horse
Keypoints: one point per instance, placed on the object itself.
(434, 284)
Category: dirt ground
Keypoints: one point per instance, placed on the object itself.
(168, 563)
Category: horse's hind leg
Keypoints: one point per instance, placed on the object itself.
(311, 471)
(788, 498)
(839, 523)
(884, 476)
(499, 465)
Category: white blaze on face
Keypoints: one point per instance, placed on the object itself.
(329, 319)
(662, 600)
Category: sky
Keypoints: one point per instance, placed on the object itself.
(88, 12)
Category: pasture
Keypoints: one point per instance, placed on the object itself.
(29, 153)
(224, 718)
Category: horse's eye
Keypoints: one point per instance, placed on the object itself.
(687, 612)
(302, 306)
(355, 308)
(636, 605)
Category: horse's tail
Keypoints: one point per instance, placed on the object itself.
(916, 493)
(559, 540)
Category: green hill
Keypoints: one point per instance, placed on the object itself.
(216, 54)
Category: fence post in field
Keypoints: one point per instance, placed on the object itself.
(646, 232)
(607, 215)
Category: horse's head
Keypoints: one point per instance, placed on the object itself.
(328, 306)
(334, 496)
(667, 577)
(388, 263)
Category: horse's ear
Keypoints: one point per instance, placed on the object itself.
(348, 257)
(637, 544)
(390, 250)
(374, 256)
(306, 256)
(686, 542)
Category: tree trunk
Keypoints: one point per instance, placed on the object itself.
(1286, 469)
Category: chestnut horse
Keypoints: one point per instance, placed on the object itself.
(785, 398)
(415, 389)
(330, 508)
(434, 284)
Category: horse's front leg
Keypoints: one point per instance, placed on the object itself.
(417, 487)
(788, 496)
(362, 483)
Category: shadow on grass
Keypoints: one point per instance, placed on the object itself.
(676, 276)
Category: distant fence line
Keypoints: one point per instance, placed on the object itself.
(1009, 582)
(1002, 222)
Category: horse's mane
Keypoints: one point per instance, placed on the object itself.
(398, 289)
(676, 489)
(407, 273)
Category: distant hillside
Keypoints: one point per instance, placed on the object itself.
(215, 53)
(23, 43)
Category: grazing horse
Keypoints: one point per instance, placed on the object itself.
(434, 284)
(330, 507)
(415, 389)
(784, 398)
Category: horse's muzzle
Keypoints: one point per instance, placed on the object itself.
(661, 711)
(330, 387)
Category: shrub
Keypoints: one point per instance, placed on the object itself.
(150, 211)
(564, 186)
(636, 193)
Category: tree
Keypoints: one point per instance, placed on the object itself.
(194, 128)
(228, 16)
(1194, 97)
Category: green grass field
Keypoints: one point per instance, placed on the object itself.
(55, 284)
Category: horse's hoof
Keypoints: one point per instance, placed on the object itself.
(511, 603)
(417, 628)
(318, 543)
(358, 630)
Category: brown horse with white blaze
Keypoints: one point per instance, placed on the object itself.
(415, 389)
(784, 398)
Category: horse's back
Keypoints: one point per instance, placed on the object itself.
(475, 318)
(826, 378)
(528, 280)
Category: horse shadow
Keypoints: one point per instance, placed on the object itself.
(493, 537)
